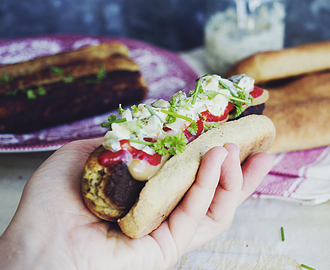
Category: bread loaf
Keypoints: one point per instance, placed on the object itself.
(68, 86)
(273, 65)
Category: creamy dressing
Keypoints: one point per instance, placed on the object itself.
(212, 94)
(141, 170)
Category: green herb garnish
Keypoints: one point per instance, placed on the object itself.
(282, 234)
(57, 71)
(113, 119)
(30, 94)
(170, 118)
(172, 145)
(198, 89)
(6, 79)
(68, 79)
(152, 112)
(100, 75)
(193, 128)
(177, 115)
(240, 100)
(134, 108)
(307, 267)
(60, 72)
(11, 93)
(120, 109)
(225, 86)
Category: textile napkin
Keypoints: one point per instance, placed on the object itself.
(301, 176)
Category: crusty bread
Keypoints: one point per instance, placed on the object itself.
(300, 125)
(305, 88)
(272, 65)
(65, 59)
(162, 192)
(300, 112)
(91, 81)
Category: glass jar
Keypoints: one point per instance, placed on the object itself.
(236, 29)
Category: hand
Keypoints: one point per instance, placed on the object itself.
(53, 229)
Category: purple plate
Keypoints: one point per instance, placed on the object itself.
(164, 71)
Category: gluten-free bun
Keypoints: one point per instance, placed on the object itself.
(161, 194)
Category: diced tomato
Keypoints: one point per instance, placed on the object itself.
(256, 92)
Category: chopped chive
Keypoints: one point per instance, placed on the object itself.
(226, 87)
(113, 120)
(6, 79)
(41, 91)
(152, 112)
(282, 234)
(237, 86)
(68, 79)
(30, 94)
(101, 74)
(57, 71)
(307, 267)
(198, 86)
(141, 142)
(236, 98)
(177, 115)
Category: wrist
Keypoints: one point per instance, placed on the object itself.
(25, 247)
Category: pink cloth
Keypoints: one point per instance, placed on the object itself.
(301, 176)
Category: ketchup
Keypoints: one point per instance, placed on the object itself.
(126, 153)
(209, 117)
(256, 92)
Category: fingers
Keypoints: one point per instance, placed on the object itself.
(229, 188)
(235, 185)
(254, 171)
(185, 219)
(222, 209)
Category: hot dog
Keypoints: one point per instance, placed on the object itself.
(136, 176)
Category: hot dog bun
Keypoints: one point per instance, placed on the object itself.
(163, 191)
(273, 65)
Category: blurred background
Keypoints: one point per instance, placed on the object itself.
(172, 24)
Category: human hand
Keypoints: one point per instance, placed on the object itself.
(53, 229)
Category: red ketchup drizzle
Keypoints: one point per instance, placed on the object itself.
(190, 137)
(256, 92)
(108, 157)
(209, 117)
